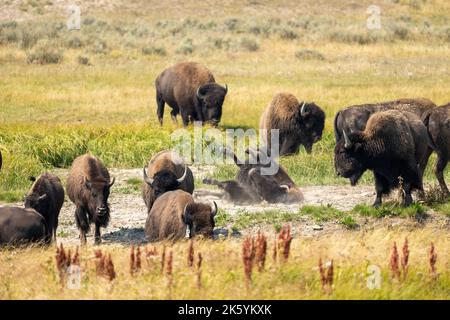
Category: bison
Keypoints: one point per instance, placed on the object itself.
(47, 197)
(19, 226)
(166, 171)
(251, 186)
(175, 214)
(189, 88)
(299, 123)
(392, 145)
(437, 122)
(88, 187)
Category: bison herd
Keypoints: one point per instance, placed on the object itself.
(394, 140)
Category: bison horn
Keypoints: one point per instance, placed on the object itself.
(199, 94)
(214, 209)
(43, 197)
(348, 143)
(284, 186)
(112, 182)
(226, 88)
(303, 109)
(180, 180)
(147, 180)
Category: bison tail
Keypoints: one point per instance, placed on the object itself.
(337, 131)
(426, 122)
(213, 182)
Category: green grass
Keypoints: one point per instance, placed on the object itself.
(391, 209)
(52, 113)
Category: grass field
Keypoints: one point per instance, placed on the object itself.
(67, 92)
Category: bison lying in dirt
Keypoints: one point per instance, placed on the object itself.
(392, 145)
(88, 187)
(166, 171)
(189, 88)
(20, 226)
(438, 126)
(300, 123)
(46, 196)
(251, 186)
(175, 214)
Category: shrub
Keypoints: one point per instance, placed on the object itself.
(84, 60)
(186, 48)
(74, 42)
(306, 54)
(249, 44)
(231, 23)
(287, 34)
(44, 53)
(159, 51)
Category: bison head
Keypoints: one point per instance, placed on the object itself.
(163, 181)
(199, 218)
(211, 97)
(348, 157)
(98, 193)
(312, 122)
(37, 202)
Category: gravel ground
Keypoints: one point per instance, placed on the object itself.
(128, 211)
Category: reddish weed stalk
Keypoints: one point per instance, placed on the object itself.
(248, 257)
(190, 256)
(135, 260)
(151, 254)
(405, 258)
(394, 262)
(326, 276)
(163, 259)
(432, 259)
(104, 265)
(284, 242)
(64, 260)
(261, 251)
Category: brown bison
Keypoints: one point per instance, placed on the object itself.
(88, 187)
(251, 186)
(165, 171)
(392, 145)
(299, 123)
(189, 88)
(46, 196)
(20, 226)
(355, 117)
(438, 127)
(175, 214)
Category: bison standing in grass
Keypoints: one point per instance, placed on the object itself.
(20, 226)
(47, 197)
(392, 145)
(190, 89)
(175, 214)
(88, 187)
(166, 171)
(300, 123)
(438, 126)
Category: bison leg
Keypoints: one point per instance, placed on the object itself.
(381, 187)
(423, 162)
(98, 237)
(408, 196)
(82, 223)
(439, 171)
(185, 118)
(160, 103)
(173, 115)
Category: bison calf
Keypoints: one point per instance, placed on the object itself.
(88, 187)
(298, 123)
(393, 145)
(22, 226)
(438, 127)
(47, 197)
(189, 88)
(166, 171)
(175, 213)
